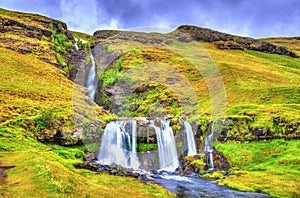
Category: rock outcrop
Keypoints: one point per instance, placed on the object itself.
(228, 41)
(32, 34)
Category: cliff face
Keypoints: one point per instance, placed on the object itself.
(29, 33)
(228, 41)
(34, 34)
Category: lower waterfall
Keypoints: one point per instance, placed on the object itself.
(208, 148)
(168, 158)
(117, 146)
(190, 140)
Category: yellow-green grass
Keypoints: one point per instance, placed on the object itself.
(28, 85)
(292, 44)
(17, 38)
(270, 167)
(263, 84)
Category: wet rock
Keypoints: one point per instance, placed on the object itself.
(258, 132)
(143, 178)
(220, 162)
(135, 175)
(157, 122)
(113, 172)
(128, 174)
(156, 176)
(90, 157)
(78, 165)
(79, 119)
(143, 121)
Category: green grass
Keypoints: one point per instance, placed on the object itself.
(142, 147)
(279, 59)
(270, 167)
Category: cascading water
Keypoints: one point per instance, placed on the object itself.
(190, 140)
(168, 159)
(76, 43)
(134, 161)
(91, 81)
(208, 148)
(117, 146)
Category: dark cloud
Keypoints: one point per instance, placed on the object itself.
(256, 18)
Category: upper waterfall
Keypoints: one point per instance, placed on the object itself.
(91, 80)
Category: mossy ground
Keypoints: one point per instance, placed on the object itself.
(270, 167)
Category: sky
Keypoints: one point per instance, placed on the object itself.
(254, 18)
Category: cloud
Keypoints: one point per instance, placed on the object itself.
(80, 15)
(256, 18)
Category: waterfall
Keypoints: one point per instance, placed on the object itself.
(117, 146)
(91, 81)
(134, 161)
(168, 159)
(208, 148)
(190, 140)
(76, 43)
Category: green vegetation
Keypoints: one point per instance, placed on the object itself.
(279, 59)
(155, 101)
(262, 90)
(142, 147)
(270, 167)
(111, 75)
(60, 45)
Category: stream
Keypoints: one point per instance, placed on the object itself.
(184, 186)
